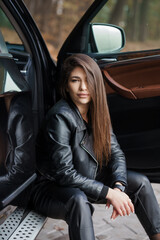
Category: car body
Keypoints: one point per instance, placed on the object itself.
(131, 79)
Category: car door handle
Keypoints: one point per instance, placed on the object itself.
(123, 91)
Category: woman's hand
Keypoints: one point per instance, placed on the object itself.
(120, 201)
(115, 214)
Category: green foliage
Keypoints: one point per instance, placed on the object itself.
(103, 15)
(4, 20)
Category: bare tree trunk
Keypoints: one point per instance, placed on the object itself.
(117, 13)
(60, 6)
(44, 10)
(31, 5)
(143, 20)
(132, 21)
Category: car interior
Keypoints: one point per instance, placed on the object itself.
(10, 66)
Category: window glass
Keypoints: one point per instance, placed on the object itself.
(9, 34)
(56, 19)
(140, 20)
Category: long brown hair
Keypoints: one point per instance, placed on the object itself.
(98, 110)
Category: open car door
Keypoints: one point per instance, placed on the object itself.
(131, 78)
(24, 58)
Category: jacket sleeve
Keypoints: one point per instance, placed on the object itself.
(117, 163)
(60, 166)
(20, 161)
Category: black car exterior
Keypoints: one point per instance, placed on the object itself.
(135, 120)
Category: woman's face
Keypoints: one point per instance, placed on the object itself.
(77, 87)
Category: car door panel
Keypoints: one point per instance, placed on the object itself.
(136, 124)
(137, 54)
(133, 92)
(138, 78)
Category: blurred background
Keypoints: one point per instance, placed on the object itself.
(56, 18)
(139, 18)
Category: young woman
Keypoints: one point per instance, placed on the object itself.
(80, 160)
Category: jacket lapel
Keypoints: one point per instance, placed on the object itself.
(87, 145)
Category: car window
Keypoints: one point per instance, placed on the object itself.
(140, 20)
(56, 19)
(9, 34)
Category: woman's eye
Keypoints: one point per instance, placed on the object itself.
(74, 80)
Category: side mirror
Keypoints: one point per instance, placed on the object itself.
(106, 38)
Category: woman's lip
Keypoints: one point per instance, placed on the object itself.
(83, 95)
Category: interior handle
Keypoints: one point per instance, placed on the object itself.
(123, 91)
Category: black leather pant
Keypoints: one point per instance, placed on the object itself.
(73, 206)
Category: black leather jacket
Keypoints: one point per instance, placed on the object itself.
(17, 164)
(65, 153)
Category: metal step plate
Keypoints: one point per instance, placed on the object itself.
(30, 227)
(11, 223)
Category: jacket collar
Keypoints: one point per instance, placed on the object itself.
(87, 141)
(80, 122)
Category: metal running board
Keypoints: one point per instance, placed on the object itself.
(11, 223)
(28, 228)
